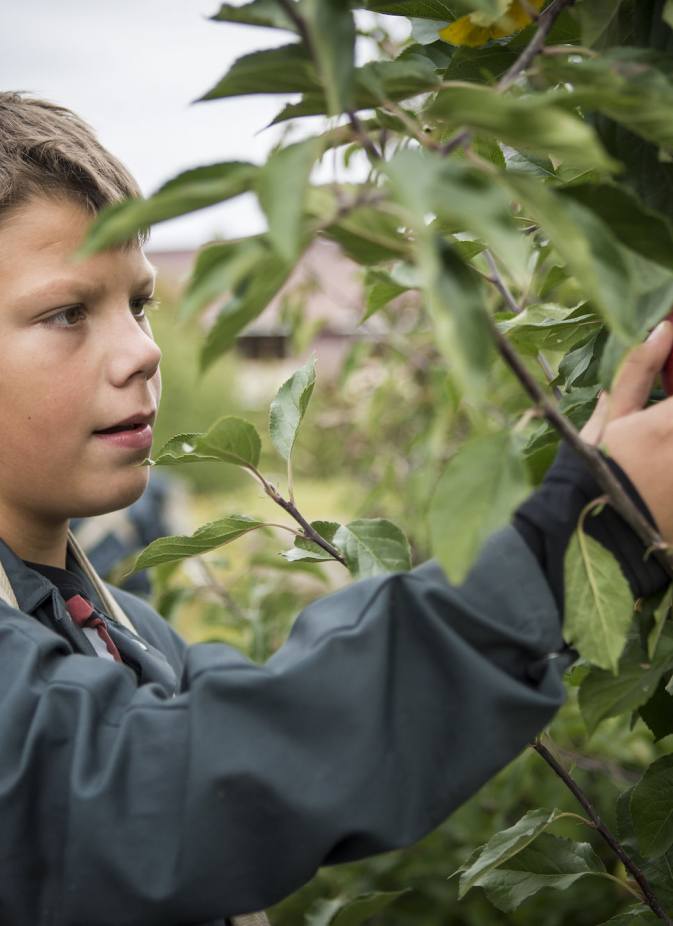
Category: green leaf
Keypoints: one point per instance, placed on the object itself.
(289, 407)
(462, 198)
(480, 64)
(550, 861)
(651, 808)
(528, 162)
(426, 32)
(476, 495)
(282, 189)
(349, 911)
(656, 870)
(306, 551)
(529, 122)
(369, 236)
(667, 14)
(189, 191)
(589, 248)
(657, 712)
(637, 918)
(596, 17)
(579, 367)
(373, 547)
(208, 537)
(639, 228)
(661, 613)
(630, 85)
(231, 440)
(248, 301)
(503, 846)
(553, 278)
(332, 33)
(287, 69)
(258, 13)
(551, 327)
(598, 602)
(380, 289)
(376, 82)
(219, 269)
(604, 695)
(180, 449)
(424, 9)
(458, 313)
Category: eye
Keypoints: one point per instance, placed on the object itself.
(139, 305)
(67, 317)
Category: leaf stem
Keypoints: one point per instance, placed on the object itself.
(649, 896)
(284, 527)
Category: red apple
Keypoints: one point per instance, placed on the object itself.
(667, 370)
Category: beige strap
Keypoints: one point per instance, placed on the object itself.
(251, 919)
(110, 605)
(6, 590)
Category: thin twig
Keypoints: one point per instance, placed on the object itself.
(545, 22)
(290, 7)
(591, 455)
(650, 898)
(498, 281)
(361, 135)
(460, 140)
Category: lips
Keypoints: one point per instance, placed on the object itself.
(134, 433)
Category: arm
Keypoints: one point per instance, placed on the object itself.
(392, 701)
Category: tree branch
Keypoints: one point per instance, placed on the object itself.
(591, 455)
(309, 533)
(545, 22)
(650, 897)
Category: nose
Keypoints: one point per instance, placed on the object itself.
(133, 350)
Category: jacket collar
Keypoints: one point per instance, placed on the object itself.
(30, 588)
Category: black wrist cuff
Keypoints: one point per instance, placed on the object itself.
(548, 518)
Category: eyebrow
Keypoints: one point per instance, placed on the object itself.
(71, 287)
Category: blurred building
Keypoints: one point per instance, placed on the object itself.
(322, 303)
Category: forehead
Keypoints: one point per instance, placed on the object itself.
(37, 244)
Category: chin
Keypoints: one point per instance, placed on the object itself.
(115, 497)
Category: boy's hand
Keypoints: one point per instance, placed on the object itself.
(640, 439)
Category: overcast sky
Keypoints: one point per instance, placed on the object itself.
(132, 70)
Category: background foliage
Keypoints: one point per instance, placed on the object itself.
(511, 189)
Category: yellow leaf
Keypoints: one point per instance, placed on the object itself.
(463, 32)
(469, 30)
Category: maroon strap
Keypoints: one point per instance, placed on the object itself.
(82, 612)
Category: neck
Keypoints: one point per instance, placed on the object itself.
(36, 540)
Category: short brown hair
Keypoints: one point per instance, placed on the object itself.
(47, 151)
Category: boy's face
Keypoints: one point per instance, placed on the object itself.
(76, 358)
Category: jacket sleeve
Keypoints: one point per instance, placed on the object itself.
(392, 701)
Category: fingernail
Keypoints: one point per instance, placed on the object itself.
(656, 332)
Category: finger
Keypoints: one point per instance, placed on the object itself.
(593, 429)
(636, 376)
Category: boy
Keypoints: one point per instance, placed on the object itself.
(161, 785)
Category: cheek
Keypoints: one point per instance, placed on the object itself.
(43, 405)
